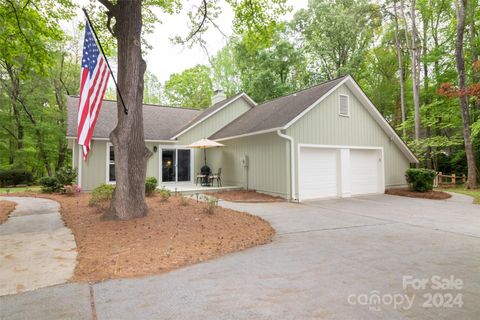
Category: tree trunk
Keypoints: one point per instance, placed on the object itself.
(400, 69)
(474, 50)
(18, 99)
(426, 85)
(472, 173)
(415, 73)
(473, 41)
(414, 61)
(20, 128)
(131, 154)
(59, 98)
(14, 95)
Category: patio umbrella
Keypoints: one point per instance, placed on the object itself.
(204, 144)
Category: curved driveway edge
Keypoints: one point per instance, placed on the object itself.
(36, 248)
(459, 197)
(324, 256)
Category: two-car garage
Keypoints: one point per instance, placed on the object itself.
(339, 171)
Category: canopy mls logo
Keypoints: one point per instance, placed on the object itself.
(374, 300)
(440, 293)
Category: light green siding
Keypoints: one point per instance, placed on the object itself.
(268, 167)
(208, 127)
(269, 154)
(324, 126)
(94, 170)
(215, 122)
(153, 164)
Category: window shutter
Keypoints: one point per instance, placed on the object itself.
(344, 105)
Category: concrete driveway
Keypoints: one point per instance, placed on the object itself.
(36, 248)
(329, 260)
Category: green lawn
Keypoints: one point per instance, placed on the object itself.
(474, 193)
(19, 189)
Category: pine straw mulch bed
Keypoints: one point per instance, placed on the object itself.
(6, 207)
(171, 236)
(404, 192)
(244, 196)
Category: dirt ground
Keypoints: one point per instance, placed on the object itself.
(244, 196)
(404, 192)
(5, 208)
(170, 236)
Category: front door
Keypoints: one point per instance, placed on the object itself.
(176, 165)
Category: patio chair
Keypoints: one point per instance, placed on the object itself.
(217, 176)
(200, 177)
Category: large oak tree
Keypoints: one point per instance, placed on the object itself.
(255, 18)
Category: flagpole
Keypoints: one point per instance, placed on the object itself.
(106, 60)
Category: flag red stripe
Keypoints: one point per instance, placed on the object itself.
(94, 122)
(86, 110)
(102, 87)
(93, 85)
(82, 84)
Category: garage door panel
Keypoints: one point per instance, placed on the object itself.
(339, 171)
(318, 173)
(364, 171)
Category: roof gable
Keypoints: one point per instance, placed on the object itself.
(276, 113)
(281, 113)
(160, 122)
(210, 111)
(378, 117)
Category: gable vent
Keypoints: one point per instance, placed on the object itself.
(344, 107)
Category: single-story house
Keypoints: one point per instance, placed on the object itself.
(325, 141)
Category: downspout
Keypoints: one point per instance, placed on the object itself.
(292, 162)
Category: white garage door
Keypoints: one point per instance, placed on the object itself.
(318, 173)
(365, 171)
(331, 172)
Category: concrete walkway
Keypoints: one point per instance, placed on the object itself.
(36, 249)
(326, 255)
(458, 197)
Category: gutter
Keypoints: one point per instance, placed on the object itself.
(292, 161)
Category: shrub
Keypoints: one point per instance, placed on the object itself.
(164, 194)
(102, 193)
(420, 180)
(70, 190)
(211, 205)
(50, 184)
(150, 186)
(66, 176)
(12, 177)
(183, 201)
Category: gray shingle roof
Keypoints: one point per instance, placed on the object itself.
(160, 122)
(206, 113)
(275, 113)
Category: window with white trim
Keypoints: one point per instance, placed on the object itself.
(344, 108)
(111, 164)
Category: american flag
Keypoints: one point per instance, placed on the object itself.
(93, 85)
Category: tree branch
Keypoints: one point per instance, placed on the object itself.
(19, 25)
(110, 15)
(216, 27)
(107, 4)
(10, 132)
(201, 24)
(29, 114)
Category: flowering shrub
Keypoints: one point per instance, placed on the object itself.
(71, 189)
